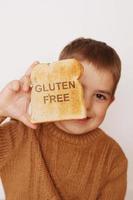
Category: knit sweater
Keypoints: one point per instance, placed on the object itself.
(50, 164)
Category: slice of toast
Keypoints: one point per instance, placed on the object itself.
(56, 92)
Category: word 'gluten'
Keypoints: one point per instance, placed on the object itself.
(51, 98)
(55, 86)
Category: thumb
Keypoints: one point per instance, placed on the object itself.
(26, 120)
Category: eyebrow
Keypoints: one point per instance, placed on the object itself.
(104, 92)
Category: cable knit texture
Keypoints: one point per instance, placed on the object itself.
(50, 164)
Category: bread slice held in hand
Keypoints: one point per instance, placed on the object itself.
(56, 92)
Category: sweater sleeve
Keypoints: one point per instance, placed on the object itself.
(10, 137)
(116, 183)
(2, 119)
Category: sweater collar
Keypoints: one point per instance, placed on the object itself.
(52, 130)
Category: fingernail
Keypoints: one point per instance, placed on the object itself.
(36, 62)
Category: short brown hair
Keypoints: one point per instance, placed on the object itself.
(96, 52)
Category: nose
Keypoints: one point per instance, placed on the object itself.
(87, 102)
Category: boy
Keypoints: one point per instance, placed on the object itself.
(70, 159)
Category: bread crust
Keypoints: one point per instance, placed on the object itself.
(56, 92)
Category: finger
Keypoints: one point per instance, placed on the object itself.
(29, 70)
(26, 83)
(14, 85)
(25, 79)
(25, 120)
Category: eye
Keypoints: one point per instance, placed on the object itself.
(100, 96)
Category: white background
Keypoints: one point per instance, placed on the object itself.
(38, 29)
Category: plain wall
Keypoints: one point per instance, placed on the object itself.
(38, 29)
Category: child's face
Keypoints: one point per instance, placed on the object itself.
(98, 87)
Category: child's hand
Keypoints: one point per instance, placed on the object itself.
(15, 99)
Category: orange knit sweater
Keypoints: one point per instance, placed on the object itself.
(49, 164)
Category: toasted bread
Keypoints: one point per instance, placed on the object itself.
(56, 91)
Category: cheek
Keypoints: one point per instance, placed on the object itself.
(100, 111)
